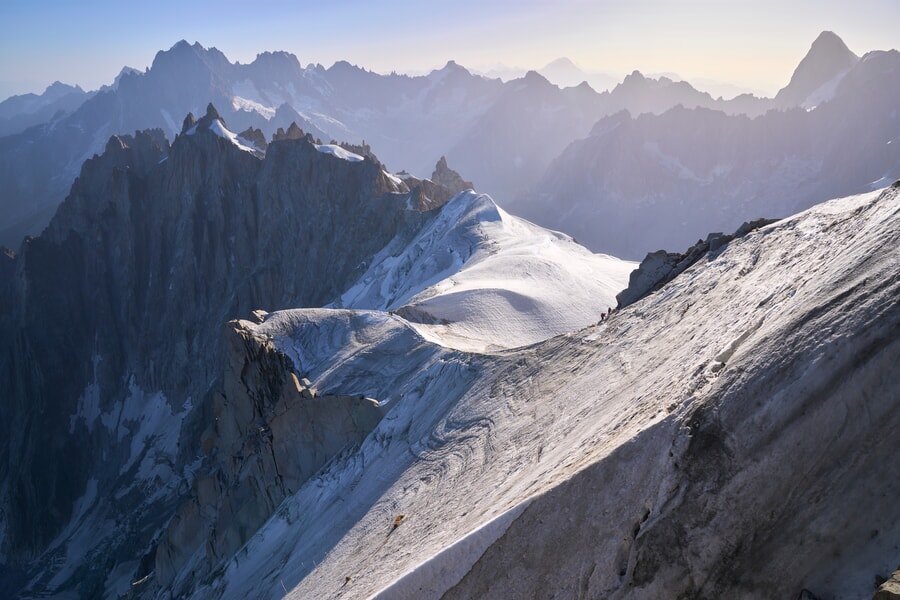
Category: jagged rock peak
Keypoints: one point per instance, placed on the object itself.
(293, 133)
(827, 55)
(58, 88)
(115, 144)
(255, 137)
(205, 121)
(446, 177)
(189, 121)
(211, 112)
(277, 57)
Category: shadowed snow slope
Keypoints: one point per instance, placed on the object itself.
(478, 279)
(727, 436)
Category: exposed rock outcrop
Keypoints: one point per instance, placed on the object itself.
(270, 431)
(447, 178)
(293, 133)
(189, 121)
(661, 267)
(255, 137)
(445, 183)
(890, 589)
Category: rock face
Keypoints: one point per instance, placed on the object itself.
(271, 432)
(444, 184)
(661, 267)
(114, 330)
(890, 589)
(448, 178)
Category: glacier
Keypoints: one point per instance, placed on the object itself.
(715, 438)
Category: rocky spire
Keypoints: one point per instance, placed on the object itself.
(211, 112)
(255, 137)
(293, 133)
(189, 121)
(205, 121)
(446, 177)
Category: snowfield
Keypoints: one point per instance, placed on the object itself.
(478, 279)
(725, 435)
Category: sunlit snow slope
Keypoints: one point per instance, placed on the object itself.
(727, 436)
(478, 279)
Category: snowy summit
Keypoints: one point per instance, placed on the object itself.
(479, 279)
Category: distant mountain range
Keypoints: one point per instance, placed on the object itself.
(18, 113)
(639, 183)
(502, 136)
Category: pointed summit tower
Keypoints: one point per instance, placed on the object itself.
(818, 74)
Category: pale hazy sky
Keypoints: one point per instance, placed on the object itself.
(752, 43)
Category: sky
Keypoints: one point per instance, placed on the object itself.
(753, 44)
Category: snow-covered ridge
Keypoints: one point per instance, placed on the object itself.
(734, 409)
(477, 279)
(218, 127)
(338, 151)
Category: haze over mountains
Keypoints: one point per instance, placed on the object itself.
(245, 360)
(669, 176)
(504, 137)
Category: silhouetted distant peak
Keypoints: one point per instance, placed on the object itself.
(58, 87)
(634, 77)
(342, 66)
(452, 68)
(533, 78)
(828, 58)
(277, 58)
(125, 72)
(183, 53)
(561, 62)
(828, 52)
(830, 40)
